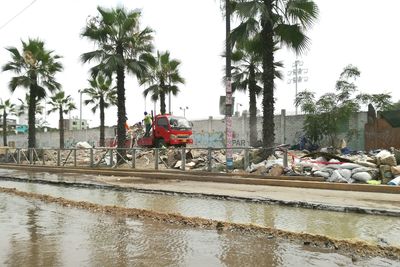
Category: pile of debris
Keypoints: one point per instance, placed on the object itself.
(374, 168)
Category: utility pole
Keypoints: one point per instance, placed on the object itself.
(184, 110)
(228, 92)
(297, 75)
(80, 110)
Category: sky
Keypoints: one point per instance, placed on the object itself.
(357, 32)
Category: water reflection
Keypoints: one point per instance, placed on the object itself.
(38, 234)
(372, 228)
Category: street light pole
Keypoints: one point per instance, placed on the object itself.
(184, 110)
(298, 74)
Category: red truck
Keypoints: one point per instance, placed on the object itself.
(168, 130)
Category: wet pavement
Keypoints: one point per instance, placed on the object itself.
(376, 229)
(35, 233)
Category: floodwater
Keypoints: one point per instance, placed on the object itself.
(377, 229)
(34, 233)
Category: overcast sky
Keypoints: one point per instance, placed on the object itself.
(359, 32)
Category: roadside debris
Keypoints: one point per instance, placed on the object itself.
(374, 167)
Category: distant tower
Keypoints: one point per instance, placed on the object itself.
(297, 75)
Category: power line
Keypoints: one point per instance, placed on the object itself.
(19, 13)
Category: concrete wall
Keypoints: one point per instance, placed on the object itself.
(52, 139)
(288, 130)
(210, 133)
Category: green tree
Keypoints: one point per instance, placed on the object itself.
(325, 115)
(282, 21)
(121, 47)
(101, 95)
(395, 106)
(35, 68)
(381, 102)
(162, 78)
(63, 105)
(8, 108)
(247, 76)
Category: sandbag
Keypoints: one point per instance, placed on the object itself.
(360, 169)
(345, 173)
(389, 160)
(362, 176)
(395, 170)
(383, 154)
(83, 145)
(349, 166)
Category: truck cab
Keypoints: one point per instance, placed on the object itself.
(168, 130)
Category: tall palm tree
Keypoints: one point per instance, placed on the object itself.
(282, 21)
(163, 78)
(247, 76)
(121, 46)
(24, 107)
(101, 95)
(35, 68)
(63, 105)
(8, 108)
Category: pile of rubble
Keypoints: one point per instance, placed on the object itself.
(376, 167)
(373, 168)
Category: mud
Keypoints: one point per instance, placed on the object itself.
(361, 248)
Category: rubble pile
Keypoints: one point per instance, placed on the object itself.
(375, 167)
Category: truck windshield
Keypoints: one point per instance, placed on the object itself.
(179, 123)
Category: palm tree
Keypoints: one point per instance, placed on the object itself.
(163, 78)
(8, 109)
(24, 107)
(101, 95)
(282, 21)
(35, 68)
(121, 46)
(61, 104)
(247, 76)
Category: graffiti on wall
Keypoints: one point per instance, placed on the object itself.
(217, 139)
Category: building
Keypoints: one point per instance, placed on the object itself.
(11, 124)
(75, 124)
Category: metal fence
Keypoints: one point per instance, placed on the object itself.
(204, 159)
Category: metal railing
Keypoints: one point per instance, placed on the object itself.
(205, 159)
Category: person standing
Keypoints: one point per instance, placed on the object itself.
(147, 123)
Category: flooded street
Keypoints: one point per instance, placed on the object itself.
(42, 234)
(383, 230)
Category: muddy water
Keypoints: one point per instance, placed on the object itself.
(372, 228)
(37, 234)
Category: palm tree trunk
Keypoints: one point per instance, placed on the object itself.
(4, 127)
(162, 103)
(252, 108)
(61, 126)
(31, 115)
(268, 81)
(102, 143)
(121, 132)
